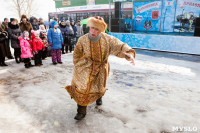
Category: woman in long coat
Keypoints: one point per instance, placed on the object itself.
(69, 36)
(4, 46)
(63, 28)
(14, 32)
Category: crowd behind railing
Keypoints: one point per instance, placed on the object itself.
(31, 39)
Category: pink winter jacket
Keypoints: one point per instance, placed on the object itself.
(26, 48)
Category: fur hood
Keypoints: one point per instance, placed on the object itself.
(62, 26)
(13, 26)
(97, 22)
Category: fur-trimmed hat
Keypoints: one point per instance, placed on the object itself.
(97, 22)
(24, 16)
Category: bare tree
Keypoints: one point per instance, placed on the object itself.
(30, 9)
(18, 6)
(24, 7)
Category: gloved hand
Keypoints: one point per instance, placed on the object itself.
(51, 44)
(43, 49)
(62, 43)
(35, 51)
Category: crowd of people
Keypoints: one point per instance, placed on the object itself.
(31, 39)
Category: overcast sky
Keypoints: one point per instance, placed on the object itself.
(43, 7)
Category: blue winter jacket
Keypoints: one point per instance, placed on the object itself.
(55, 37)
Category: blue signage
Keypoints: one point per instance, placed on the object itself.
(166, 15)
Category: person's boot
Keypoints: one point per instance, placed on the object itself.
(81, 112)
(17, 59)
(3, 64)
(10, 57)
(21, 60)
(30, 65)
(99, 101)
(26, 65)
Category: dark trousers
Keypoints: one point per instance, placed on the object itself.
(44, 53)
(38, 58)
(2, 60)
(63, 48)
(81, 109)
(68, 45)
(68, 48)
(17, 52)
(9, 51)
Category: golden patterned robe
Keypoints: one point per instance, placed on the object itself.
(91, 67)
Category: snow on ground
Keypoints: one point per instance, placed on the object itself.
(158, 95)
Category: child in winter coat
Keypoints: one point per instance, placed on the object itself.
(43, 36)
(25, 44)
(38, 46)
(55, 41)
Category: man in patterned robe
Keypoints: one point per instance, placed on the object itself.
(91, 67)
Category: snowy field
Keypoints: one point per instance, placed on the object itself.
(158, 95)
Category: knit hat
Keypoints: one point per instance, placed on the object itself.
(5, 19)
(67, 21)
(53, 23)
(41, 26)
(97, 22)
(36, 32)
(25, 32)
(12, 19)
(62, 20)
(40, 19)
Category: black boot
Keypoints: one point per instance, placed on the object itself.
(99, 101)
(30, 65)
(81, 112)
(79, 116)
(26, 65)
(10, 57)
(21, 60)
(17, 59)
(4, 64)
(1, 63)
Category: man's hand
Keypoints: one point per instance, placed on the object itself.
(131, 59)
